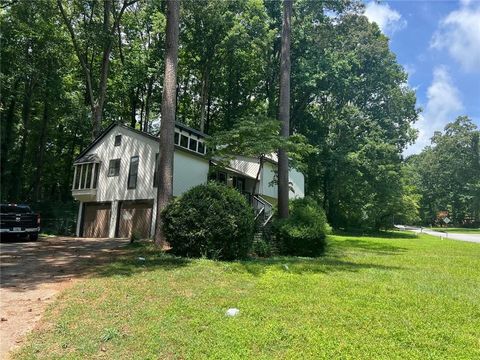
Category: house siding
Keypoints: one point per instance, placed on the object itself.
(189, 169)
(269, 189)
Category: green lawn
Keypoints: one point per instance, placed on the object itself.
(459, 230)
(390, 297)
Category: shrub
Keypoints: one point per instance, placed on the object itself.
(304, 232)
(262, 248)
(210, 220)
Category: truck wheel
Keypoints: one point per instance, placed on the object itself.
(34, 237)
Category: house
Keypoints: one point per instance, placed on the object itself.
(115, 180)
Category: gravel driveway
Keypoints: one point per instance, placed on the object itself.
(32, 274)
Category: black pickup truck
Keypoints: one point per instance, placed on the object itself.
(19, 220)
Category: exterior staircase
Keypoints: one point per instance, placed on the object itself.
(263, 219)
(263, 210)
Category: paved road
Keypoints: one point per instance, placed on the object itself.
(33, 273)
(452, 236)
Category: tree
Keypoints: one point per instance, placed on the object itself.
(351, 101)
(449, 174)
(284, 110)
(167, 126)
(96, 90)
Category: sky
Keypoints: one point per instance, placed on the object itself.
(438, 44)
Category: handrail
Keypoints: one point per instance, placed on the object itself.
(263, 207)
(260, 213)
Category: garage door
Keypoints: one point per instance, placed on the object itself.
(135, 218)
(96, 220)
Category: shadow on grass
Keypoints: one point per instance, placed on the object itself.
(140, 257)
(145, 257)
(378, 234)
(368, 246)
(294, 265)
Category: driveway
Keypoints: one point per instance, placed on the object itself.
(33, 273)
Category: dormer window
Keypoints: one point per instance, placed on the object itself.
(201, 147)
(193, 144)
(184, 141)
(189, 141)
(118, 140)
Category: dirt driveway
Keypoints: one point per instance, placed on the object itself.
(32, 274)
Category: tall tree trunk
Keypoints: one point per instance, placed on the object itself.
(146, 125)
(208, 122)
(26, 113)
(133, 107)
(257, 177)
(204, 97)
(97, 101)
(167, 126)
(284, 110)
(7, 122)
(41, 143)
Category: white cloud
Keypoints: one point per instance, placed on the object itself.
(459, 34)
(443, 105)
(387, 19)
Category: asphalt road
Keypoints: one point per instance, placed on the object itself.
(452, 236)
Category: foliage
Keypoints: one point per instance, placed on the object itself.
(258, 137)
(449, 174)
(262, 248)
(368, 297)
(303, 233)
(358, 111)
(210, 220)
(56, 217)
(351, 108)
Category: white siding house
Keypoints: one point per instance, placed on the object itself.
(115, 182)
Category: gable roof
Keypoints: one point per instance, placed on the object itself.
(80, 158)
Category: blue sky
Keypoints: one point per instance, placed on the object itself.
(438, 43)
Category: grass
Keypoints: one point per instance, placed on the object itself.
(458, 230)
(384, 297)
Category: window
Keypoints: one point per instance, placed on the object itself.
(114, 167)
(76, 183)
(86, 176)
(155, 172)
(177, 137)
(184, 141)
(222, 178)
(201, 147)
(239, 184)
(95, 175)
(118, 140)
(132, 173)
(193, 144)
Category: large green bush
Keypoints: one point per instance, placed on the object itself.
(304, 232)
(210, 220)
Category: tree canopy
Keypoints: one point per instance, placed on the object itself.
(350, 101)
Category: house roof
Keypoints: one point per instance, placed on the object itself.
(82, 155)
(231, 169)
(89, 158)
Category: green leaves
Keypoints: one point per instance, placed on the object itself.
(449, 173)
(256, 137)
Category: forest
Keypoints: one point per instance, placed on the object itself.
(71, 67)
